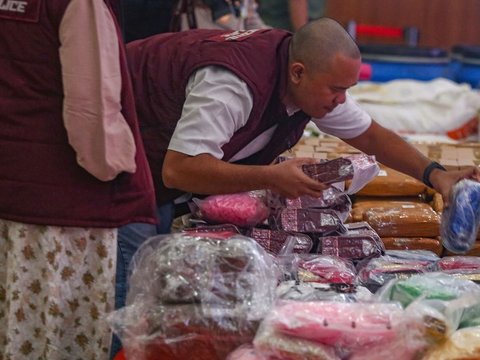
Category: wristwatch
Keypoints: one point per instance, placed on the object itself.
(428, 170)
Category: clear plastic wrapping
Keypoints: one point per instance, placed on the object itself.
(359, 242)
(413, 243)
(324, 221)
(312, 291)
(418, 220)
(241, 209)
(223, 231)
(195, 296)
(329, 172)
(464, 344)
(359, 168)
(333, 330)
(458, 263)
(280, 242)
(273, 344)
(390, 182)
(332, 198)
(325, 269)
(365, 169)
(376, 272)
(362, 204)
(461, 220)
(348, 330)
(458, 299)
(429, 286)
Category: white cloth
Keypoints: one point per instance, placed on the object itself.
(218, 103)
(413, 106)
(89, 54)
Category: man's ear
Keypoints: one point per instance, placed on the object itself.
(297, 71)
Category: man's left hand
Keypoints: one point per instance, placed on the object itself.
(443, 181)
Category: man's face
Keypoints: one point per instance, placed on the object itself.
(318, 93)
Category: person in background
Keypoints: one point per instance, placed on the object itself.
(72, 171)
(142, 18)
(226, 105)
(291, 14)
(216, 14)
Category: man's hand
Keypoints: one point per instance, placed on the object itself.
(204, 174)
(288, 179)
(443, 181)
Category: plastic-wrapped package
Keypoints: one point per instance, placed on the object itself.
(365, 169)
(430, 286)
(323, 221)
(390, 182)
(362, 204)
(425, 326)
(413, 243)
(310, 291)
(358, 243)
(466, 274)
(325, 269)
(241, 209)
(281, 242)
(329, 172)
(346, 326)
(463, 344)
(425, 256)
(177, 332)
(457, 299)
(332, 198)
(418, 220)
(461, 220)
(458, 263)
(194, 296)
(366, 331)
(223, 231)
(275, 345)
(378, 271)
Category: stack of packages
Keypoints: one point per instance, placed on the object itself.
(195, 296)
(393, 205)
(261, 277)
(428, 316)
(305, 224)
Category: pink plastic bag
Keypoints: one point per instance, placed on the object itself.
(241, 209)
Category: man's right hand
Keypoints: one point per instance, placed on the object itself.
(288, 179)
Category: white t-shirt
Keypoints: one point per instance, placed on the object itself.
(218, 103)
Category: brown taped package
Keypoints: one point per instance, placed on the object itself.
(389, 182)
(413, 243)
(415, 220)
(361, 205)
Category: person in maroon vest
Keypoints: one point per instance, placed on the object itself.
(216, 107)
(72, 170)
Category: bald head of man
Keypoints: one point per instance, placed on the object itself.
(324, 61)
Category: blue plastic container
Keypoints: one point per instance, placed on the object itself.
(390, 62)
(466, 64)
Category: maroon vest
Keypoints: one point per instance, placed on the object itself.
(40, 180)
(161, 66)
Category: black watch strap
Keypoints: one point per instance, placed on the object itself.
(428, 170)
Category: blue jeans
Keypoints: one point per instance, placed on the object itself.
(129, 239)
